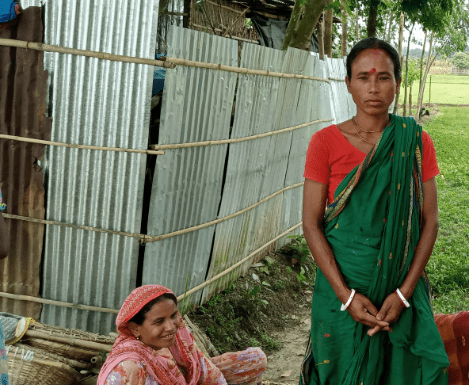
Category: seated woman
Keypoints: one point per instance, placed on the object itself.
(154, 347)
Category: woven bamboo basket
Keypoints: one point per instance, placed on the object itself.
(70, 343)
(27, 365)
(68, 351)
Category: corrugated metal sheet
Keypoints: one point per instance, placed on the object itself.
(187, 185)
(165, 21)
(341, 101)
(256, 169)
(105, 103)
(23, 87)
(95, 102)
(310, 108)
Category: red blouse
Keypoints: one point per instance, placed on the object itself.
(331, 157)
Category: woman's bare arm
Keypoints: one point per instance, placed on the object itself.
(314, 203)
(428, 234)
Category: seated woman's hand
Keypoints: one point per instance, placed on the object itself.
(390, 311)
(362, 310)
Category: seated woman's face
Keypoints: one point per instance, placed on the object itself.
(160, 326)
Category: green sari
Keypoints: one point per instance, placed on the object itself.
(373, 226)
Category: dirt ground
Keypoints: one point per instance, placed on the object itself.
(283, 366)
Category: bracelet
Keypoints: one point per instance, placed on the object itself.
(344, 307)
(402, 298)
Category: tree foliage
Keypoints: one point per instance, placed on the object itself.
(460, 60)
(413, 71)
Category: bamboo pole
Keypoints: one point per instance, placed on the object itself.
(221, 31)
(240, 70)
(93, 345)
(80, 146)
(69, 341)
(219, 220)
(79, 352)
(167, 63)
(146, 238)
(44, 301)
(235, 140)
(224, 6)
(229, 270)
(234, 22)
(82, 52)
(87, 228)
(43, 354)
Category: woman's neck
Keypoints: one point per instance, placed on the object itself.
(372, 122)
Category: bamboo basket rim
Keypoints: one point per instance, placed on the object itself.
(44, 354)
(73, 334)
(36, 358)
(67, 350)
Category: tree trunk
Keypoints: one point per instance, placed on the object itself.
(344, 28)
(399, 51)
(357, 27)
(372, 18)
(302, 23)
(421, 58)
(410, 100)
(427, 69)
(388, 33)
(187, 10)
(292, 25)
(321, 38)
(328, 31)
(407, 69)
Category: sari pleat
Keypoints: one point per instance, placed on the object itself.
(373, 226)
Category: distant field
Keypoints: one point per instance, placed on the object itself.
(447, 89)
(448, 267)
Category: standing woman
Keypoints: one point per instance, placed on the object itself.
(4, 250)
(370, 217)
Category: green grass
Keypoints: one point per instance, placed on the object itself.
(445, 89)
(448, 268)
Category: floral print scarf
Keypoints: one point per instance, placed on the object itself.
(127, 347)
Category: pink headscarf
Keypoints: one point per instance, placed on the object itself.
(127, 347)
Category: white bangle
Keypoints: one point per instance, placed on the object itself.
(404, 301)
(344, 307)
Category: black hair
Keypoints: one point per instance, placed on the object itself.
(373, 42)
(140, 316)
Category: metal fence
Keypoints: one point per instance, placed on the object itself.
(231, 200)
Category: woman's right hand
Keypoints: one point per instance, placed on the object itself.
(362, 310)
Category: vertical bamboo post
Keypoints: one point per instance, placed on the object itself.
(430, 90)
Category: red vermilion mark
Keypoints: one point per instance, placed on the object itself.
(373, 70)
(376, 52)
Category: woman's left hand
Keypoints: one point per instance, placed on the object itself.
(389, 312)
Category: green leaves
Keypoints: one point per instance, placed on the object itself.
(448, 268)
(461, 60)
(431, 14)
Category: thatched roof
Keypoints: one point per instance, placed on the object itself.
(278, 8)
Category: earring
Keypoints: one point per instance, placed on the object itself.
(138, 338)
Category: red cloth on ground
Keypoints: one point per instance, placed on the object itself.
(454, 330)
(331, 157)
